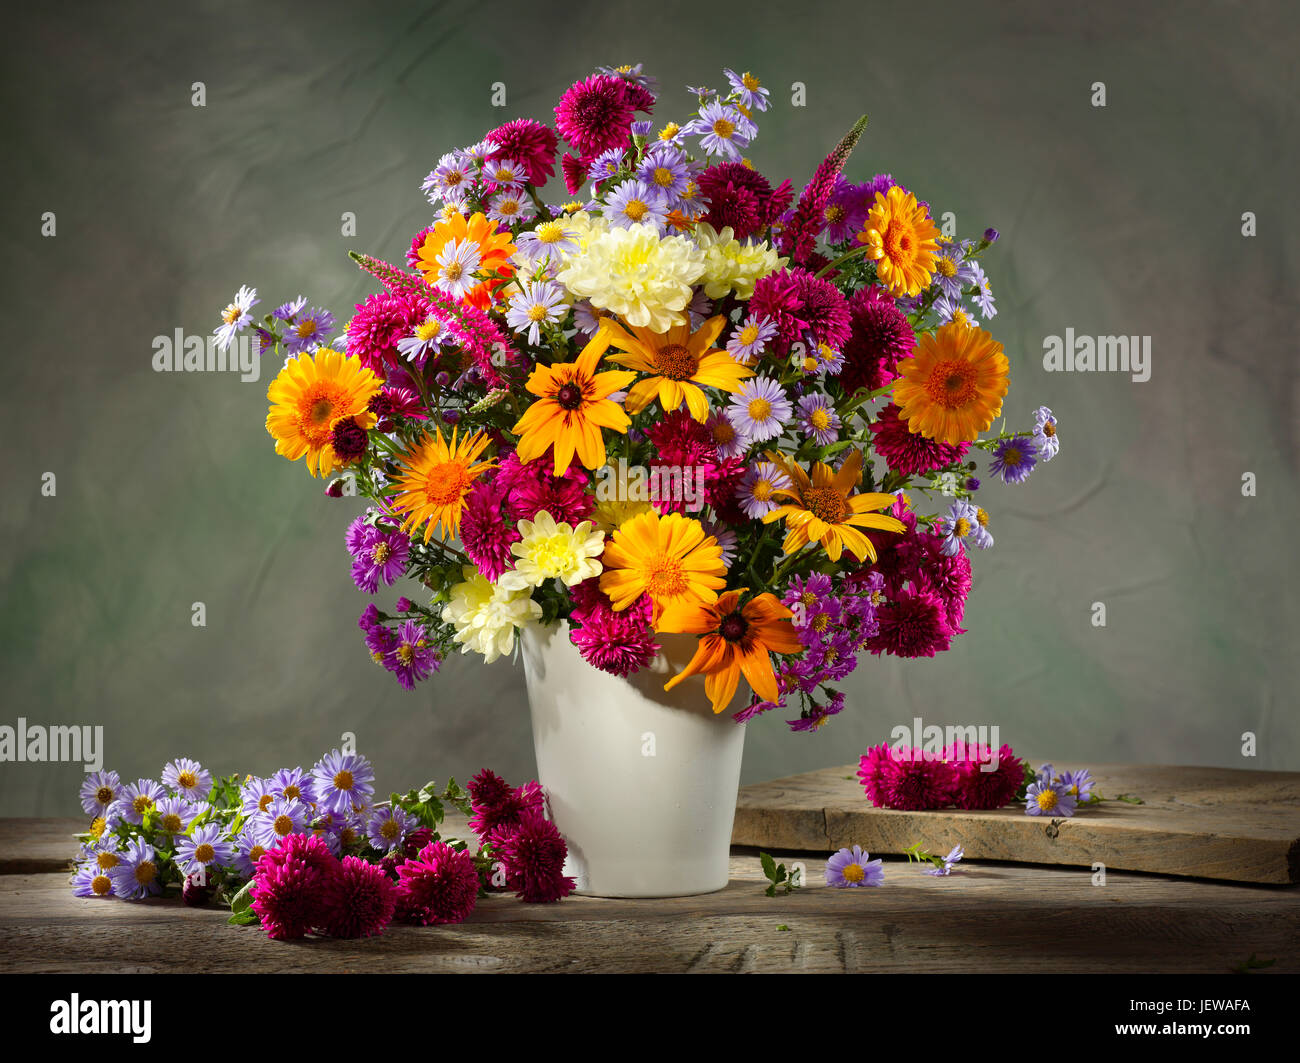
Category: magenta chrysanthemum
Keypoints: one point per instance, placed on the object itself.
(361, 902)
(741, 198)
(533, 853)
(803, 307)
(497, 804)
(291, 884)
(413, 252)
(532, 487)
(439, 886)
(619, 643)
(906, 779)
(949, 577)
(975, 788)
(486, 529)
(682, 446)
(912, 624)
(528, 143)
(879, 338)
(382, 320)
(595, 114)
(910, 453)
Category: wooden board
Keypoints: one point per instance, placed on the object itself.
(992, 918)
(1217, 823)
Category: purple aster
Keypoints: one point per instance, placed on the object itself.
(510, 208)
(749, 339)
(635, 203)
(248, 851)
(818, 419)
(388, 828)
(379, 555)
(1045, 437)
(722, 130)
(90, 880)
(99, 791)
(730, 443)
(450, 175)
(952, 273)
(288, 311)
(808, 597)
(342, 780)
(757, 487)
(983, 297)
(960, 523)
(814, 718)
(282, 817)
(411, 657)
(1049, 798)
(852, 867)
(137, 798)
(750, 92)
(204, 848)
(605, 165)
(506, 174)
(188, 778)
(534, 304)
(293, 784)
(846, 209)
(953, 857)
(1014, 459)
(665, 168)
(255, 796)
(308, 331)
(759, 409)
(1078, 784)
(136, 873)
(175, 814)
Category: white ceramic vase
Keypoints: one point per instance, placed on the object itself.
(641, 783)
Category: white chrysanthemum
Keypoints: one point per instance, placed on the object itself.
(547, 550)
(486, 615)
(730, 265)
(635, 274)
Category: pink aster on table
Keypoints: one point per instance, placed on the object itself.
(908, 779)
(532, 853)
(360, 902)
(439, 885)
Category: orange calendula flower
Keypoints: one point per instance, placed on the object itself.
(822, 509)
(573, 404)
(312, 394)
(669, 558)
(951, 389)
(902, 240)
(436, 477)
(681, 361)
(734, 640)
(494, 250)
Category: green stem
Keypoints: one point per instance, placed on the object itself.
(854, 253)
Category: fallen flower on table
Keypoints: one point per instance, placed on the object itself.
(943, 865)
(853, 867)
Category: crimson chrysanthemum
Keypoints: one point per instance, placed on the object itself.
(976, 788)
(290, 885)
(532, 852)
(528, 143)
(879, 338)
(907, 779)
(803, 307)
(949, 577)
(595, 114)
(486, 529)
(380, 322)
(619, 643)
(682, 446)
(741, 198)
(498, 804)
(910, 453)
(440, 885)
(361, 901)
(912, 624)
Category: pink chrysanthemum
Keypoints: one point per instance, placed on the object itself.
(741, 198)
(910, 453)
(533, 853)
(682, 446)
(417, 840)
(880, 337)
(595, 114)
(912, 624)
(532, 487)
(486, 529)
(497, 804)
(413, 252)
(802, 307)
(528, 143)
(361, 902)
(439, 886)
(390, 402)
(574, 171)
(949, 577)
(975, 788)
(907, 779)
(291, 884)
(380, 322)
(619, 643)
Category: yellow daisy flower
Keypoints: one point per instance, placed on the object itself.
(669, 558)
(902, 240)
(436, 478)
(951, 389)
(312, 394)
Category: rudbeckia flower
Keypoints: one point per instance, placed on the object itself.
(436, 477)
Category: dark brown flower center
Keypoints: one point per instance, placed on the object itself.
(826, 504)
(676, 363)
(733, 627)
(569, 397)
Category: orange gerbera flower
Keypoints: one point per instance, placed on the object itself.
(902, 240)
(312, 394)
(734, 639)
(572, 406)
(669, 558)
(494, 250)
(437, 477)
(951, 389)
(679, 360)
(822, 509)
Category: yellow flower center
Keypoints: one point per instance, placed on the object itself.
(318, 407)
(537, 312)
(379, 555)
(748, 335)
(453, 270)
(204, 853)
(232, 313)
(406, 653)
(820, 418)
(141, 804)
(759, 409)
(171, 823)
(504, 175)
(808, 599)
(853, 873)
(749, 81)
(982, 516)
(187, 780)
(635, 209)
(101, 885)
(834, 213)
(291, 791)
(549, 232)
(723, 128)
(669, 131)
(676, 362)
(104, 861)
(665, 577)
(255, 854)
(821, 622)
(508, 207)
(1047, 800)
(962, 528)
(283, 824)
(429, 330)
(1011, 456)
(390, 829)
(145, 872)
(762, 490)
(946, 267)
(1049, 429)
(951, 383)
(343, 780)
(961, 318)
(305, 328)
(825, 503)
(663, 176)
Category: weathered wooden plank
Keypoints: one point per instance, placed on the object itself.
(1218, 823)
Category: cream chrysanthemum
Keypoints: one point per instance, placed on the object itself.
(486, 615)
(547, 550)
(730, 265)
(643, 278)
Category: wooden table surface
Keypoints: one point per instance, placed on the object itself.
(995, 917)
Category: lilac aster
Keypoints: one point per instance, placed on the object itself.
(90, 880)
(757, 487)
(759, 409)
(1045, 437)
(139, 797)
(236, 317)
(534, 304)
(730, 443)
(204, 848)
(815, 717)
(388, 827)
(818, 419)
(1078, 784)
(510, 208)
(852, 867)
(952, 273)
(411, 657)
(635, 203)
(954, 856)
(380, 555)
(960, 523)
(248, 851)
(980, 533)
(451, 174)
(293, 784)
(983, 297)
(722, 130)
(549, 239)
(255, 796)
(188, 778)
(1014, 459)
(1049, 798)
(281, 818)
(749, 339)
(175, 814)
(605, 165)
(506, 174)
(308, 331)
(342, 780)
(136, 873)
(666, 169)
(288, 311)
(949, 309)
(749, 90)
(99, 791)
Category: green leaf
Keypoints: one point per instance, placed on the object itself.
(769, 868)
(243, 900)
(247, 918)
(782, 926)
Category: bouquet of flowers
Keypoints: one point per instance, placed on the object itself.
(684, 401)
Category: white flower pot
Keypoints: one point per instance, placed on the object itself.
(641, 783)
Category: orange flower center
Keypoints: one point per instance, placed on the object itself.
(762, 490)
(343, 780)
(171, 823)
(951, 383)
(318, 407)
(1049, 429)
(101, 885)
(187, 780)
(898, 242)
(443, 485)
(676, 362)
(204, 853)
(283, 824)
(145, 872)
(663, 176)
(723, 128)
(665, 578)
(635, 209)
(825, 503)
(264, 802)
(105, 860)
(292, 791)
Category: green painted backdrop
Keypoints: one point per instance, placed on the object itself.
(1117, 220)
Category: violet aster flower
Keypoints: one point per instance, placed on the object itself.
(138, 798)
(248, 851)
(308, 331)
(457, 265)
(1078, 784)
(293, 784)
(749, 339)
(852, 868)
(204, 848)
(534, 304)
(90, 880)
(281, 818)
(411, 657)
(960, 523)
(388, 827)
(1014, 459)
(605, 165)
(342, 780)
(1045, 437)
(236, 317)
(255, 796)
(980, 534)
(136, 874)
(814, 718)
(510, 208)
(506, 174)
(749, 90)
(730, 443)
(757, 487)
(952, 273)
(759, 409)
(983, 297)
(953, 857)
(288, 311)
(666, 169)
(635, 203)
(722, 130)
(818, 418)
(99, 791)
(188, 778)
(380, 555)
(174, 815)
(1049, 798)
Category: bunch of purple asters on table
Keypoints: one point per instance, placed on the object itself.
(1056, 793)
(310, 852)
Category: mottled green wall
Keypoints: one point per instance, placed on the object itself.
(1120, 220)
